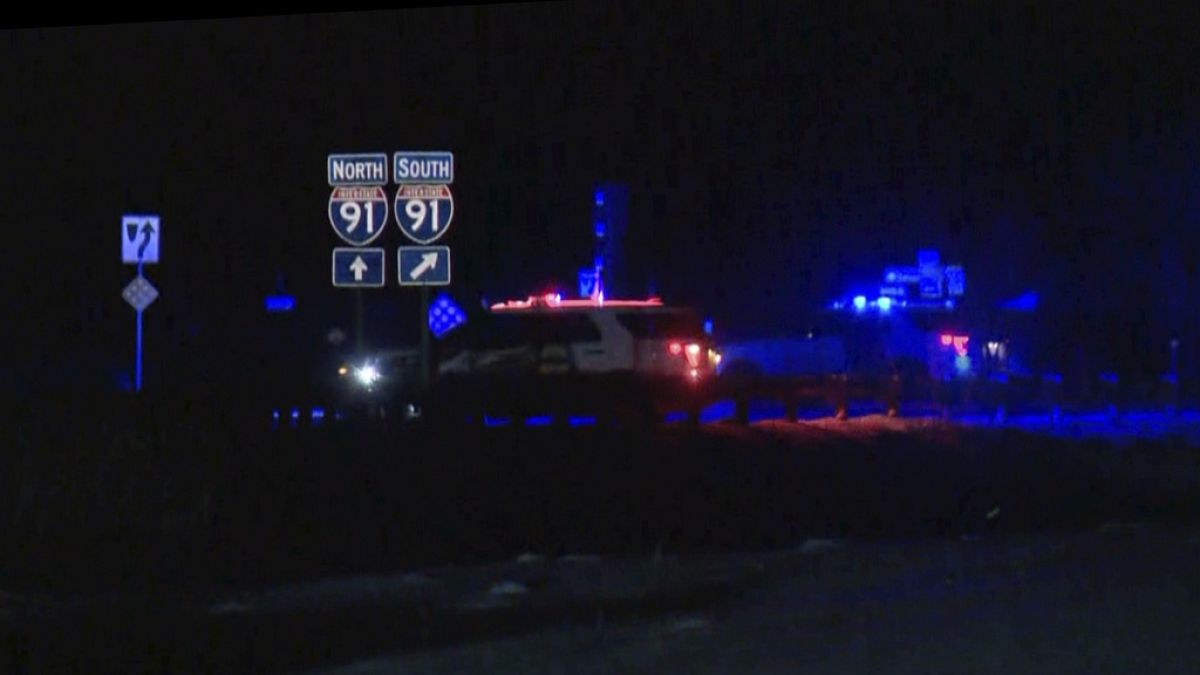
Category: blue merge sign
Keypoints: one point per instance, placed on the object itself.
(358, 214)
(427, 168)
(424, 265)
(358, 267)
(362, 169)
(424, 212)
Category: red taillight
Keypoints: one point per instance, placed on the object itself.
(675, 348)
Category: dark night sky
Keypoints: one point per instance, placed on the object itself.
(775, 155)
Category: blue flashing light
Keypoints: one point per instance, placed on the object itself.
(949, 304)
(489, 421)
(678, 416)
(860, 302)
(318, 413)
(445, 315)
(295, 414)
(275, 415)
(708, 326)
(885, 304)
(539, 421)
(600, 229)
(280, 303)
(1110, 378)
(1052, 377)
(1026, 302)
(581, 420)
(599, 198)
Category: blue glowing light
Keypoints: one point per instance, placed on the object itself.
(600, 229)
(599, 198)
(581, 420)
(489, 421)
(1026, 302)
(708, 326)
(677, 416)
(885, 304)
(445, 315)
(318, 413)
(280, 303)
(539, 421)
(860, 302)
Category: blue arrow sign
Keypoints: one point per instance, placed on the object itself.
(423, 265)
(428, 168)
(358, 267)
(360, 169)
(358, 214)
(424, 212)
(139, 239)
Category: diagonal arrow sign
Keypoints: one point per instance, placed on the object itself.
(358, 267)
(428, 262)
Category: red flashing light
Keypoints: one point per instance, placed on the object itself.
(555, 301)
(675, 348)
(960, 344)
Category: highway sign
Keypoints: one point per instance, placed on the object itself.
(359, 169)
(427, 168)
(358, 214)
(140, 293)
(139, 239)
(358, 267)
(423, 265)
(424, 212)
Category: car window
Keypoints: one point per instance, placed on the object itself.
(506, 331)
(661, 325)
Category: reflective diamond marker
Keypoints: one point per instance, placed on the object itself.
(140, 293)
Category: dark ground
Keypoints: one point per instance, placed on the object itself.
(111, 556)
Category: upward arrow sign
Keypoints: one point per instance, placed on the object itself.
(358, 267)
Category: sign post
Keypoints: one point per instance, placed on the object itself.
(139, 245)
(358, 212)
(424, 208)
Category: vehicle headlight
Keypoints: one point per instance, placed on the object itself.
(367, 375)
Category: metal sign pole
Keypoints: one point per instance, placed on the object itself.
(426, 365)
(138, 367)
(358, 322)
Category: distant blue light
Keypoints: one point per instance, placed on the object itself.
(581, 420)
(1110, 378)
(295, 413)
(489, 421)
(885, 304)
(708, 326)
(717, 411)
(275, 415)
(318, 413)
(1052, 377)
(600, 229)
(599, 198)
(949, 304)
(860, 302)
(280, 303)
(677, 416)
(1026, 302)
(539, 421)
